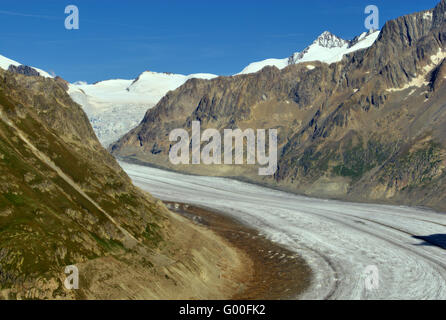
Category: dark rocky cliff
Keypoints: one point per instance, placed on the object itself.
(25, 70)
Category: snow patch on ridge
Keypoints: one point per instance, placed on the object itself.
(418, 81)
(427, 15)
(259, 65)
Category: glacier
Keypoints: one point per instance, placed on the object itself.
(339, 240)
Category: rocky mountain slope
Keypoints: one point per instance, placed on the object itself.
(64, 200)
(370, 127)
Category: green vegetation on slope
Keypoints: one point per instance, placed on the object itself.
(46, 222)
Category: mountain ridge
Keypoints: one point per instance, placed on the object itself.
(327, 48)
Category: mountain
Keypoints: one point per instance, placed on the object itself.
(326, 48)
(116, 106)
(367, 127)
(64, 200)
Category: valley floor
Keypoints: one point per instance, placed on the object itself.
(340, 241)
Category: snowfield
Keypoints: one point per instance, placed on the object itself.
(114, 107)
(339, 240)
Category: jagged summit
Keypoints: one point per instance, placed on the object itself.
(329, 40)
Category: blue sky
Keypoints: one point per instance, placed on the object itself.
(121, 39)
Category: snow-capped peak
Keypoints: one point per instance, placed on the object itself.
(326, 48)
(329, 40)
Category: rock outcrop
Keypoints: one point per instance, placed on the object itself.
(25, 70)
